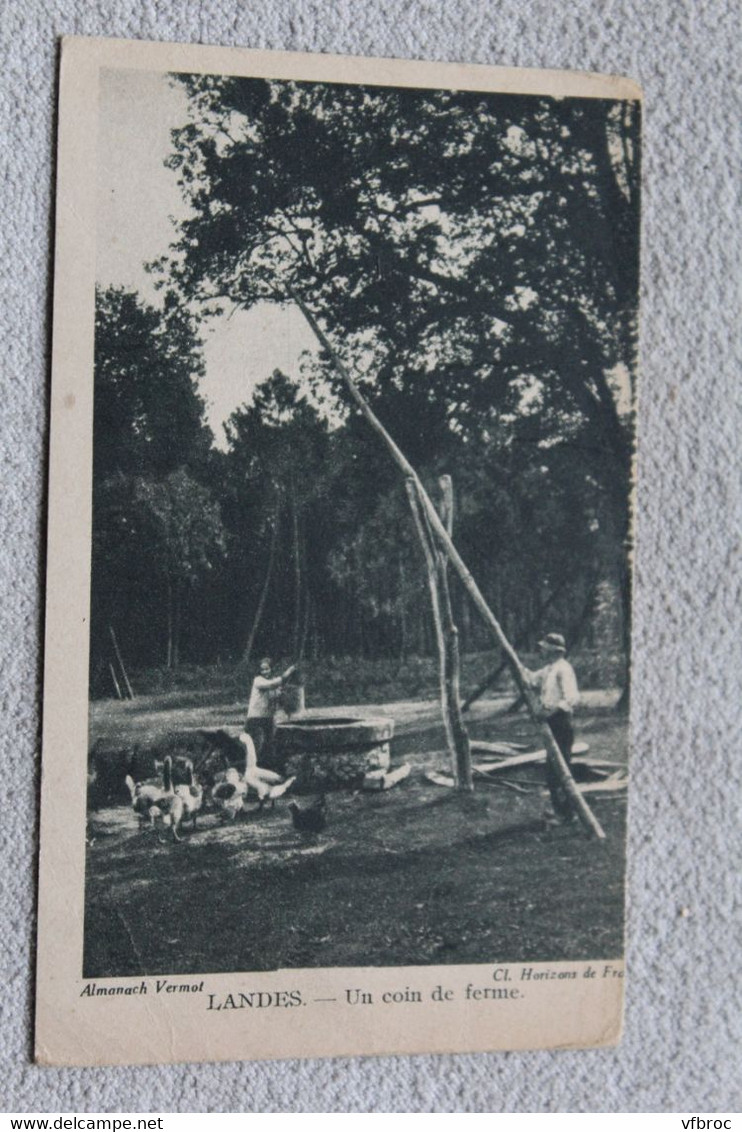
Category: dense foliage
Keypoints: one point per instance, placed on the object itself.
(474, 259)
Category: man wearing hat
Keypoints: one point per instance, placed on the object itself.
(558, 695)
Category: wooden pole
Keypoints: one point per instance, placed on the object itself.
(583, 811)
(447, 642)
(452, 658)
(264, 591)
(296, 556)
(115, 681)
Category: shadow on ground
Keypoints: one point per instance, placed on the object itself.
(417, 875)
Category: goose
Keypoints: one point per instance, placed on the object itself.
(268, 789)
(144, 796)
(267, 784)
(170, 804)
(192, 794)
(279, 790)
(228, 795)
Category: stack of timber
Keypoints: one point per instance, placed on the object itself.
(494, 758)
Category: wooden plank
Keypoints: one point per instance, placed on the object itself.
(385, 779)
(439, 779)
(600, 764)
(499, 748)
(515, 760)
(529, 757)
(609, 785)
(487, 781)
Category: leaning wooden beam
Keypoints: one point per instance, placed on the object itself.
(520, 675)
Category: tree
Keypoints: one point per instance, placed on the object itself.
(274, 479)
(184, 537)
(474, 258)
(463, 242)
(148, 412)
(156, 528)
(439, 226)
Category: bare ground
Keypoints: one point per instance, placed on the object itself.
(415, 875)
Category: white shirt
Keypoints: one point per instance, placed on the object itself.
(556, 685)
(263, 697)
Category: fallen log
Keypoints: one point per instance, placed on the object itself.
(440, 779)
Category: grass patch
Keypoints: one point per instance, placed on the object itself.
(418, 875)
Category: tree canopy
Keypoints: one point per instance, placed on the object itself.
(456, 242)
(474, 259)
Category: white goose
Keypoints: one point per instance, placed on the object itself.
(192, 795)
(267, 784)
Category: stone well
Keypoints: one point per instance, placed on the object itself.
(333, 752)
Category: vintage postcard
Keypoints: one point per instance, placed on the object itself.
(337, 649)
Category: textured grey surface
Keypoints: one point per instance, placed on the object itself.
(682, 1018)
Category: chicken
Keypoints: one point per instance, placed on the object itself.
(310, 819)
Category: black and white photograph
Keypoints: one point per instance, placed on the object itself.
(364, 365)
(324, 313)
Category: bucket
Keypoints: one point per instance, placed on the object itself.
(293, 699)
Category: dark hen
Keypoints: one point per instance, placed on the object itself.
(311, 819)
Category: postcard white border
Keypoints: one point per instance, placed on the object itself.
(75, 1027)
